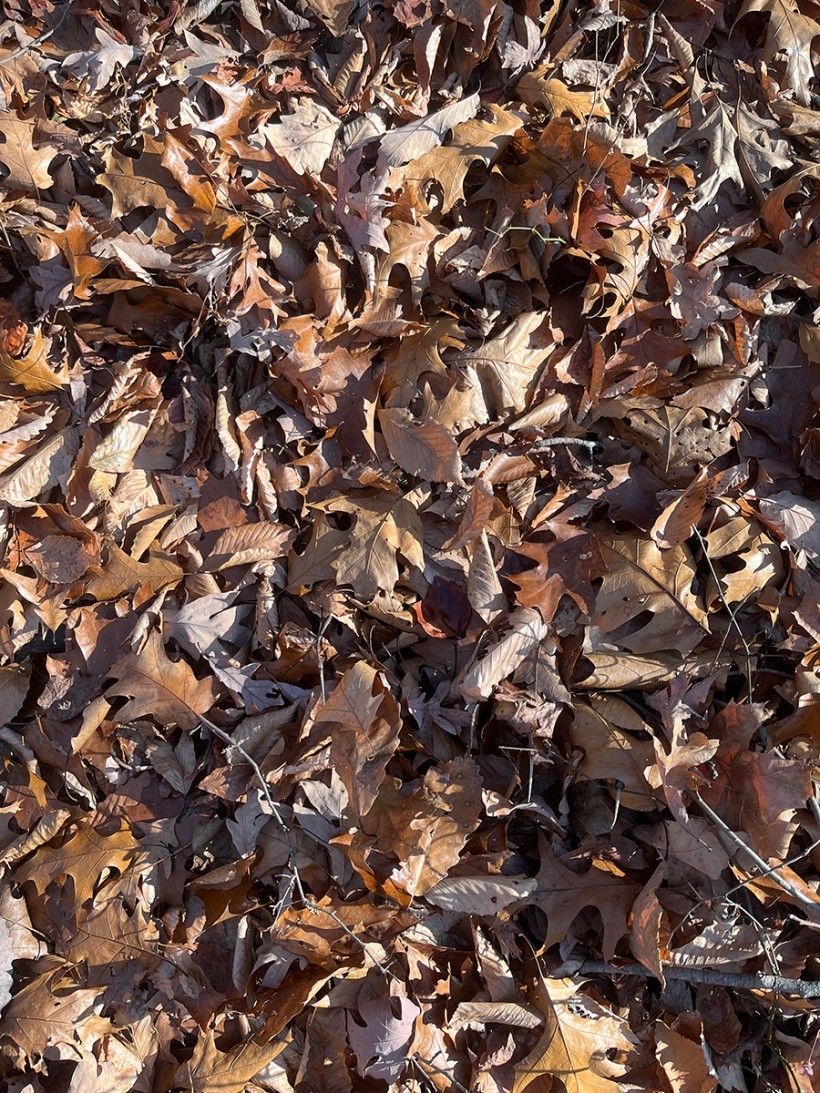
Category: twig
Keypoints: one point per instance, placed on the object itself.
(38, 41)
(804, 988)
(761, 863)
(286, 832)
(731, 613)
(557, 441)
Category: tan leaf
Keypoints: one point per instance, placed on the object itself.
(115, 454)
(422, 448)
(411, 141)
(642, 579)
(480, 895)
(426, 829)
(52, 1013)
(509, 363)
(578, 1041)
(526, 630)
(85, 856)
(677, 521)
(261, 542)
(367, 733)
(160, 688)
(49, 465)
(121, 575)
(31, 371)
(478, 140)
(26, 166)
(210, 1070)
(536, 89)
(684, 1059)
(562, 893)
(304, 139)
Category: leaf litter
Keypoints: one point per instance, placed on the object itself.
(409, 478)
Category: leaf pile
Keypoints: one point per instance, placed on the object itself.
(410, 482)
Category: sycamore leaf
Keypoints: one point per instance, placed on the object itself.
(160, 688)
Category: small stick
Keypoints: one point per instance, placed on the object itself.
(38, 41)
(557, 441)
(804, 988)
(763, 865)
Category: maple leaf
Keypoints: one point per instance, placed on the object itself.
(161, 688)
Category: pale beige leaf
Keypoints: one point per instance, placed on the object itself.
(304, 138)
(410, 141)
(480, 895)
(49, 465)
(422, 448)
(526, 630)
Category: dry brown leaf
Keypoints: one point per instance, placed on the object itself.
(422, 448)
(579, 1040)
(160, 688)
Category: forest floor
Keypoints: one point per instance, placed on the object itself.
(409, 500)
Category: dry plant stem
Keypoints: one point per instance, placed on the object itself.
(297, 880)
(557, 441)
(812, 907)
(710, 976)
(43, 37)
(747, 651)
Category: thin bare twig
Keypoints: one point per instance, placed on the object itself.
(766, 868)
(803, 988)
(286, 832)
(38, 41)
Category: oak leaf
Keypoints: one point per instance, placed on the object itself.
(160, 688)
(578, 1042)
